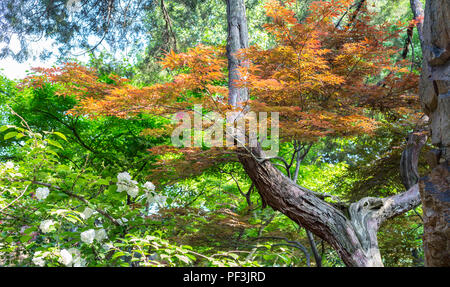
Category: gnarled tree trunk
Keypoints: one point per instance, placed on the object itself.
(354, 236)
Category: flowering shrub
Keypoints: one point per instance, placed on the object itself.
(55, 215)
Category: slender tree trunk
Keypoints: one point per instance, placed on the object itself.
(298, 160)
(237, 39)
(434, 91)
(314, 250)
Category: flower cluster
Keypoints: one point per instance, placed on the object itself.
(88, 236)
(148, 186)
(88, 212)
(125, 183)
(38, 259)
(158, 199)
(151, 197)
(10, 169)
(42, 192)
(68, 257)
(71, 258)
(9, 165)
(100, 235)
(47, 225)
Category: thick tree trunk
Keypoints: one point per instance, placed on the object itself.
(434, 91)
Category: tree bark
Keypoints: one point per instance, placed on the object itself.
(237, 39)
(410, 159)
(435, 196)
(434, 92)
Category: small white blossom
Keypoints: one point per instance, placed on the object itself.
(133, 189)
(66, 257)
(46, 225)
(148, 186)
(123, 176)
(87, 213)
(100, 235)
(88, 236)
(129, 186)
(14, 175)
(79, 262)
(42, 192)
(38, 260)
(125, 183)
(75, 252)
(121, 186)
(9, 165)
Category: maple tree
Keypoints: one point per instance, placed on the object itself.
(323, 79)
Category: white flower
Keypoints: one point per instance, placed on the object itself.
(75, 252)
(9, 165)
(38, 260)
(46, 225)
(123, 176)
(133, 189)
(124, 183)
(88, 236)
(79, 262)
(148, 186)
(66, 257)
(42, 192)
(72, 257)
(158, 199)
(87, 213)
(121, 186)
(100, 235)
(16, 174)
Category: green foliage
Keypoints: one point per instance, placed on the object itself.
(58, 215)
